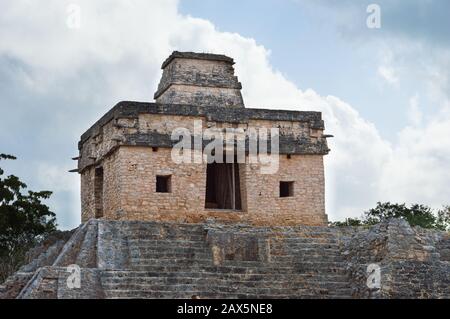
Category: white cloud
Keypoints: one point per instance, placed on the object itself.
(419, 170)
(50, 176)
(386, 70)
(56, 178)
(124, 44)
(414, 114)
(388, 74)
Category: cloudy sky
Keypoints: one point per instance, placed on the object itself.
(384, 93)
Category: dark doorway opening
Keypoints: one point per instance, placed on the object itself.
(223, 189)
(98, 192)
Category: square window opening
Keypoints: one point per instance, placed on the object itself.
(286, 189)
(163, 184)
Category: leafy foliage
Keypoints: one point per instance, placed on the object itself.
(415, 215)
(349, 222)
(443, 218)
(24, 219)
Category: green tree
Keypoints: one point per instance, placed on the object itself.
(24, 219)
(443, 219)
(349, 222)
(415, 215)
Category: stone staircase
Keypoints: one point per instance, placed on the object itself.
(132, 259)
(178, 261)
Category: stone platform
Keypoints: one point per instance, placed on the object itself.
(130, 259)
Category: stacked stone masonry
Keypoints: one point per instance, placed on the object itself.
(133, 259)
(199, 79)
(132, 144)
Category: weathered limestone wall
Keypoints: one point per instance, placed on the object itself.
(413, 262)
(131, 158)
(87, 194)
(138, 169)
(149, 124)
(294, 128)
(199, 81)
(131, 144)
(183, 94)
(166, 124)
(135, 170)
(307, 206)
(111, 188)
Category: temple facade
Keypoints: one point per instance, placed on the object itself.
(129, 168)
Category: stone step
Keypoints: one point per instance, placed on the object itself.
(307, 266)
(162, 295)
(165, 229)
(238, 268)
(184, 245)
(306, 250)
(169, 248)
(306, 258)
(293, 230)
(198, 273)
(206, 257)
(313, 235)
(303, 240)
(137, 294)
(208, 271)
(133, 226)
(246, 267)
(247, 281)
(233, 288)
(214, 283)
(148, 241)
(305, 262)
(322, 237)
(172, 249)
(181, 237)
(305, 245)
(193, 255)
(266, 294)
(169, 242)
(287, 279)
(168, 260)
(306, 254)
(318, 257)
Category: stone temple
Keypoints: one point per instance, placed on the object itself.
(154, 228)
(127, 172)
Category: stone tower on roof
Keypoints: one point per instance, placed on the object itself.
(199, 79)
(128, 171)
